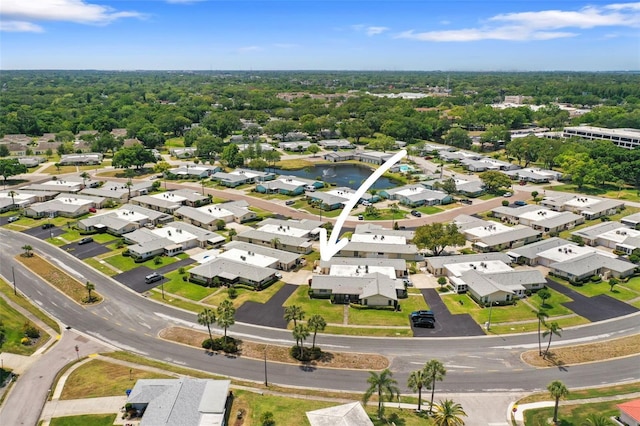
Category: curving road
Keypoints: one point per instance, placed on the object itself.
(474, 364)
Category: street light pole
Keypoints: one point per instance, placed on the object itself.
(489, 322)
(266, 382)
(13, 273)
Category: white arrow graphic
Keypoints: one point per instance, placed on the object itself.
(329, 248)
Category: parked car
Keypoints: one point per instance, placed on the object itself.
(424, 322)
(422, 314)
(360, 217)
(520, 203)
(153, 277)
(366, 203)
(289, 202)
(47, 225)
(416, 213)
(85, 240)
(13, 219)
(507, 194)
(466, 201)
(92, 209)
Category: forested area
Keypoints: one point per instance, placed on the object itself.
(154, 106)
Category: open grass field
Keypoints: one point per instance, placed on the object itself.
(99, 378)
(13, 324)
(156, 294)
(186, 289)
(387, 214)
(553, 304)
(571, 415)
(590, 289)
(587, 393)
(90, 419)
(387, 317)
(429, 209)
(126, 263)
(53, 170)
(352, 330)
(245, 295)
(609, 191)
(59, 279)
(7, 290)
(331, 313)
(497, 328)
(105, 269)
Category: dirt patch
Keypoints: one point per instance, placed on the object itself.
(585, 353)
(281, 353)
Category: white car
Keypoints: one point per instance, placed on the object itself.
(507, 194)
(366, 203)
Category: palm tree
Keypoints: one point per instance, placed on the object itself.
(90, 287)
(27, 250)
(12, 194)
(434, 371)
(207, 317)
(449, 413)
(275, 242)
(384, 385)
(558, 390)
(57, 166)
(232, 233)
(597, 420)
(226, 315)
(293, 313)
(316, 323)
(394, 210)
(541, 314)
(417, 380)
(128, 184)
(552, 329)
(84, 176)
(300, 333)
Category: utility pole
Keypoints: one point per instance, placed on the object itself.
(13, 273)
(266, 382)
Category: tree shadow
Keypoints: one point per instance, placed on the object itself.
(307, 367)
(551, 357)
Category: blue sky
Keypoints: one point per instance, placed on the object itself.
(466, 35)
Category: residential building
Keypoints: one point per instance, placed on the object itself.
(31, 162)
(589, 207)
(416, 195)
(289, 235)
(468, 188)
(245, 145)
(208, 216)
(56, 185)
(184, 401)
(228, 272)
(375, 229)
(119, 191)
(19, 199)
(451, 156)
(294, 146)
(169, 202)
(383, 245)
(373, 157)
(632, 221)
(336, 144)
(84, 159)
(373, 289)
(487, 236)
(612, 235)
(630, 412)
(127, 218)
(241, 177)
(539, 218)
(187, 152)
(528, 255)
(498, 287)
(533, 175)
(288, 185)
(624, 138)
(347, 266)
(283, 260)
(173, 238)
(64, 205)
(351, 414)
(338, 156)
(438, 265)
(190, 171)
(484, 164)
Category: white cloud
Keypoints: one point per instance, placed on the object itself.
(286, 45)
(541, 25)
(77, 11)
(20, 27)
(371, 31)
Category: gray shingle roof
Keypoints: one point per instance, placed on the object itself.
(230, 269)
(438, 262)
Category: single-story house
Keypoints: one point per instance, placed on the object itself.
(336, 198)
(377, 249)
(288, 185)
(375, 229)
(468, 188)
(15, 199)
(416, 195)
(246, 145)
(284, 260)
(170, 201)
(127, 218)
(437, 265)
(65, 205)
(500, 286)
(346, 266)
(239, 177)
(630, 412)
(336, 144)
(493, 236)
(588, 265)
(372, 289)
(279, 240)
(119, 191)
(207, 216)
(528, 255)
(539, 218)
(338, 156)
(189, 171)
(632, 221)
(294, 146)
(57, 185)
(184, 401)
(31, 161)
(85, 159)
(232, 272)
(351, 414)
(373, 157)
(613, 235)
(451, 156)
(187, 152)
(589, 207)
(533, 175)
(486, 163)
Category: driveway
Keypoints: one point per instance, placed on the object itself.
(270, 314)
(597, 308)
(85, 251)
(134, 279)
(43, 234)
(447, 325)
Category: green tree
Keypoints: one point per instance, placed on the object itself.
(4, 151)
(28, 250)
(384, 385)
(275, 242)
(552, 329)
(356, 129)
(542, 316)
(442, 281)
(207, 317)
(448, 185)
(300, 333)
(434, 371)
(84, 176)
(313, 149)
(151, 136)
(226, 316)
(11, 167)
(558, 390)
(90, 287)
(612, 283)
(267, 419)
(135, 155)
(12, 194)
(394, 211)
(448, 413)
(416, 381)
(231, 156)
(544, 294)
(293, 313)
(316, 323)
(595, 419)
(208, 146)
(457, 137)
(494, 181)
(437, 236)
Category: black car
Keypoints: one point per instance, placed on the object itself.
(416, 213)
(424, 322)
(422, 314)
(289, 202)
(47, 225)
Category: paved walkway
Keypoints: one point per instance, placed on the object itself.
(78, 407)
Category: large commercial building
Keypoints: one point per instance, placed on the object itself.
(624, 138)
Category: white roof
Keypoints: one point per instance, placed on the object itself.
(378, 239)
(569, 252)
(249, 257)
(284, 230)
(487, 266)
(361, 270)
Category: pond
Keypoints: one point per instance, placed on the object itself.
(350, 175)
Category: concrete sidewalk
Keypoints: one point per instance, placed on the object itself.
(78, 407)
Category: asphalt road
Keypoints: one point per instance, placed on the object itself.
(474, 364)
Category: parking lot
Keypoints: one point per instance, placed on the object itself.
(43, 234)
(134, 279)
(270, 314)
(85, 251)
(446, 325)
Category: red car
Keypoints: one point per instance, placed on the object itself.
(93, 210)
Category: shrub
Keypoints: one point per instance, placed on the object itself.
(266, 419)
(307, 354)
(233, 293)
(505, 203)
(31, 331)
(157, 260)
(25, 341)
(596, 279)
(207, 343)
(181, 270)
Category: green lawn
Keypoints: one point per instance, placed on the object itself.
(519, 312)
(13, 324)
(105, 269)
(633, 284)
(352, 330)
(429, 209)
(245, 295)
(571, 415)
(370, 316)
(174, 142)
(595, 289)
(330, 312)
(126, 263)
(185, 288)
(156, 294)
(553, 304)
(608, 191)
(386, 214)
(305, 206)
(103, 238)
(7, 290)
(533, 326)
(90, 419)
